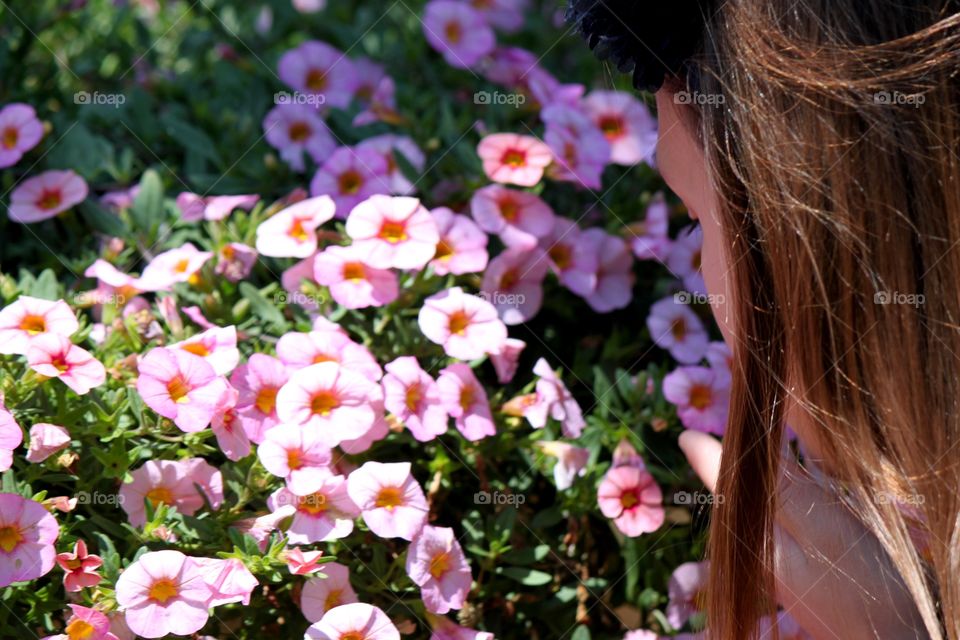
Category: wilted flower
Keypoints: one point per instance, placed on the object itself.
(571, 462)
(45, 440)
(555, 401)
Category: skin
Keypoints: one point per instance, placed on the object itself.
(831, 575)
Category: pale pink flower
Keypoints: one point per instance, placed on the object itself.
(573, 256)
(337, 402)
(579, 148)
(303, 563)
(355, 621)
(626, 455)
(218, 346)
(45, 440)
(466, 325)
(787, 627)
(235, 261)
(506, 360)
(227, 426)
(318, 69)
(721, 361)
(702, 398)
(194, 207)
(445, 629)
(641, 634)
(27, 318)
(571, 462)
(258, 381)
(54, 356)
(228, 580)
(458, 32)
(413, 397)
(626, 123)
(164, 592)
(687, 592)
(381, 106)
(350, 176)
(462, 247)
(683, 259)
(555, 401)
(79, 567)
(299, 350)
(27, 534)
(180, 386)
(375, 433)
(172, 267)
(466, 402)
(514, 159)
(353, 283)
(294, 129)
(196, 315)
(117, 201)
(171, 482)
(615, 279)
(394, 232)
(322, 515)
(650, 240)
(11, 436)
(292, 233)
(20, 131)
(298, 283)
(309, 6)
(390, 499)
(435, 562)
(389, 146)
(632, 498)
(297, 455)
(675, 327)
(520, 218)
(113, 286)
(321, 594)
(85, 624)
(45, 196)
(513, 282)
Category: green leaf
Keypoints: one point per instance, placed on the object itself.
(45, 286)
(528, 577)
(190, 137)
(101, 220)
(582, 633)
(262, 307)
(147, 209)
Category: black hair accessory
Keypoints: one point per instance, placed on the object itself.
(652, 40)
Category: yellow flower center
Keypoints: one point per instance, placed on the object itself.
(440, 564)
(10, 537)
(459, 321)
(414, 394)
(324, 402)
(453, 32)
(354, 271)
(196, 348)
(562, 256)
(350, 182)
(313, 504)
(393, 232)
(178, 390)
(509, 209)
(162, 590)
(612, 127)
(678, 328)
(294, 459)
(514, 158)
(182, 266)
(467, 397)
(266, 400)
(33, 324)
(333, 599)
(160, 495)
(79, 630)
(629, 500)
(389, 498)
(296, 231)
(444, 251)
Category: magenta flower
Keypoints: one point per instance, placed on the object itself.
(466, 401)
(46, 196)
(317, 69)
(513, 282)
(393, 232)
(294, 129)
(171, 482)
(467, 326)
(27, 534)
(505, 362)
(514, 159)
(54, 356)
(520, 218)
(555, 401)
(458, 32)
(683, 259)
(218, 346)
(462, 247)
(303, 563)
(235, 261)
(413, 397)
(355, 621)
(435, 562)
(164, 592)
(571, 462)
(350, 176)
(258, 382)
(675, 327)
(580, 149)
(650, 240)
(180, 386)
(322, 515)
(702, 398)
(323, 594)
(27, 318)
(296, 454)
(614, 288)
(574, 256)
(390, 145)
(390, 500)
(45, 440)
(299, 350)
(632, 498)
(11, 436)
(79, 567)
(172, 267)
(353, 283)
(686, 590)
(20, 131)
(327, 397)
(626, 123)
(292, 233)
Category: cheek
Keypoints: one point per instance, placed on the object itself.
(716, 269)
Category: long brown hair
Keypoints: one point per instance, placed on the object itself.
(834, 152)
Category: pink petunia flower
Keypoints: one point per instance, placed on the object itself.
(218, 346)
(298, 455)
(675, 327)
(683, 259)
(194, 207)
(228, 428)
(632, 498)
(235, 261)
(54, 356)
(389, 146)
(180, 386)
(79, 567)
(355, 621)
(381, 106)
(435, 562)
(626, 123)
(513, 282)
(514, 159)
(466, 401)
(614, 288)
(171, 482)
(27, 318)
(320, 595)
(520, 218)
(114, 287)
(390, 499)
(317, 69)
(555, 401)
(721, 361)
(350, 176)
(353, 283)
(303, 563)
(164, 592)
(45, 440)
(258, 381)
(292, 233)
(687, 592)
(320, 516)
(413, 397)
(458, 32)
(172, 267)
(625, 454)
(228, 580)
(27, 535)
(298, 350)
(11, 437)
(702, 398)
(393, 232)
(299, 284)
(650, 240)
(462, 247)
(294, 129)
(445, 629)
(20, 131)
(46, 196)
(574, 256)
(327, 397)
(579, 148)
(377, 432)
(505, 15)
(505, 362)
(571, 462)
(117, 201)
(86, 624)
(467, 326)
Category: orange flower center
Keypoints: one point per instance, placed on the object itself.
(316, 79)
(296, 231)
(393, 232)
(79, 630)
(467, 397)
(324, 357)
(10, 537)
(389, 498)
(50, 199)
(350, 182)
(266, 400)
(444, 251)
(299, 131)
(514, 158)
(459, 321)
(453, 31)
(354, 271)
(196, 348)
(440, 564)
(509, 279)
(162, 590)
(33, 324)
(10, 137)
(333, 599)
(178, 390)
(612, 127)
(700, 396)
(324, 402)
(509, 209)
(160, 495)
(562, 256)
(678, 328)
(294, 459)
(695, 261)
(353, 635)
(313, 504)
(60, 362)
(413, 396)
(629, 500)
